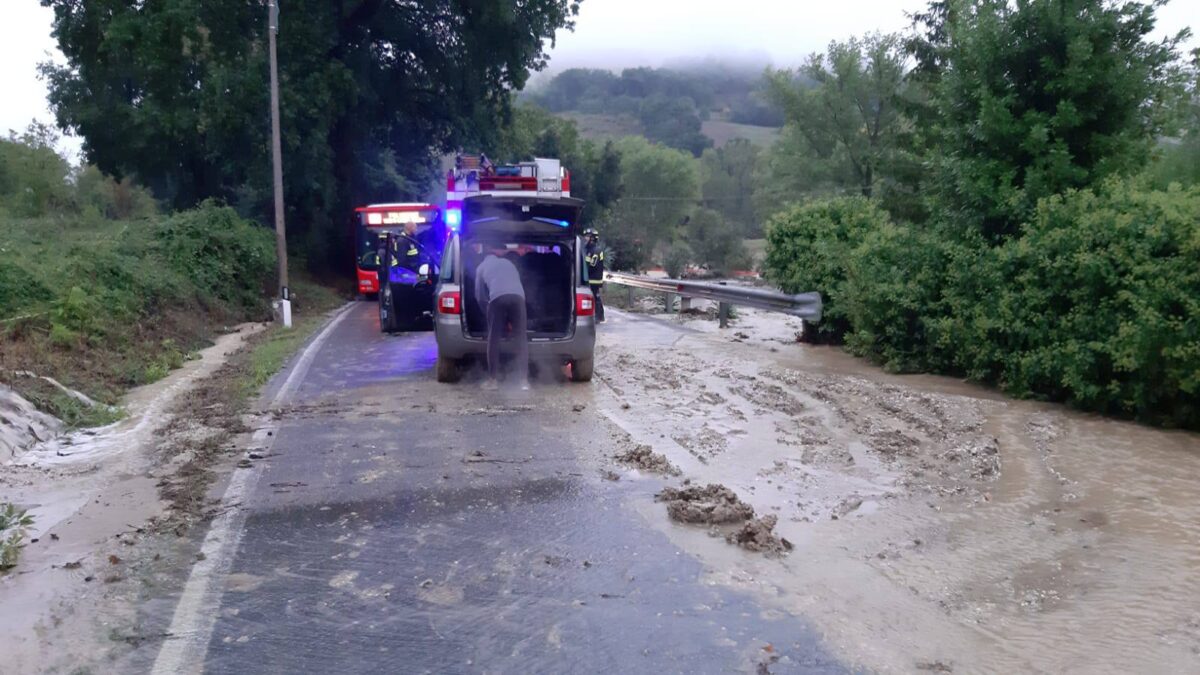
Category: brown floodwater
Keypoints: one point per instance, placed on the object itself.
(937, 524)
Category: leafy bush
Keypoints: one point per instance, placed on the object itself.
(809, 248)
(1102, 304)
(676, 260)
(223, 255)
(892, 295)
(119, 200)
(13, 522)
(73, 318)
(716, 243)
(18, 290)
(1097, 303)
(33, 176)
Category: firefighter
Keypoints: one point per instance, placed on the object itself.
(593, 255)
(413, 250)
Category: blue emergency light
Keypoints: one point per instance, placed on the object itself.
(453, 219)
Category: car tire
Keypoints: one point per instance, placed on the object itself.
(581, 370)
(387, 313)
(448, 370)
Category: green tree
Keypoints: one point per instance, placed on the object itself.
(33, 176)
(175, 93)
(660, 187)
(1037, 97)
(729, 183)
(1178, 160)
(714, 243)
(673, 122)
(843, 111)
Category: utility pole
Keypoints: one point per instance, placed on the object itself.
(285, 303)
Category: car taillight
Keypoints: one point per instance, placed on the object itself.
(450, 302)
(585, 304)
(566, 181)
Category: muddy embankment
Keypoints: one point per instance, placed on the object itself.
(100, 496)
(936, 525)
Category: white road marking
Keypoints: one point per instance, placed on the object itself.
(196, 613)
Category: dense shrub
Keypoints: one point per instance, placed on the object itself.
(892, 298)
(676, 259)
(809, 249)
(104, 196)
(221, 254)
(1097, 303)
(1103, 305)
(33, 176)
(714, 243)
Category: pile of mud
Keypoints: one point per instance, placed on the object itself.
(715, 505)
(758, 535)
(709, 505)
(644, 458)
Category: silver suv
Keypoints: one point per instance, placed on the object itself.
(541, 236)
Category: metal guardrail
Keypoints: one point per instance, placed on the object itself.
(807, 306)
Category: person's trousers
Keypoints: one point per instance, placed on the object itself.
(501, 312)
(599, 303)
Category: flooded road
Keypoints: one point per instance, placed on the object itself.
(400, 525)
(381, 522)
(937, 524)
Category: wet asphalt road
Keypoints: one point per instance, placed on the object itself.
(405, 526)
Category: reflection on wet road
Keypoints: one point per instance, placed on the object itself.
(408, 526)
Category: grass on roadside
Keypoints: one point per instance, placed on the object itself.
(103, 305)
(269, 355)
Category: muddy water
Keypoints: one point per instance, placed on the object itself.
(937, 524)
(89, 491)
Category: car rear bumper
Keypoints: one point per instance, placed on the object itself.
(453, 343)
(368, 281)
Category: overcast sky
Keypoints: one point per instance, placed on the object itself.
(612, 33)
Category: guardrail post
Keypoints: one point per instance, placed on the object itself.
(629, 298)
(723, 314)
(685, 303)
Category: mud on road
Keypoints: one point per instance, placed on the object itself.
(935, 523)
(115, 509)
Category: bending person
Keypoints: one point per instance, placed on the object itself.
(501, 295)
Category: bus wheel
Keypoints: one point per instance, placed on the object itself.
(448, 370)
(581, 370)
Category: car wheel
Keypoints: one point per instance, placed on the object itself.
(448, 370)
(581, 370)
(387, 313)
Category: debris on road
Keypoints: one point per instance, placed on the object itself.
(709, 505)
(758, 535)
(643, 457)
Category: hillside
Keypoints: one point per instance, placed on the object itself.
(601, 127)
